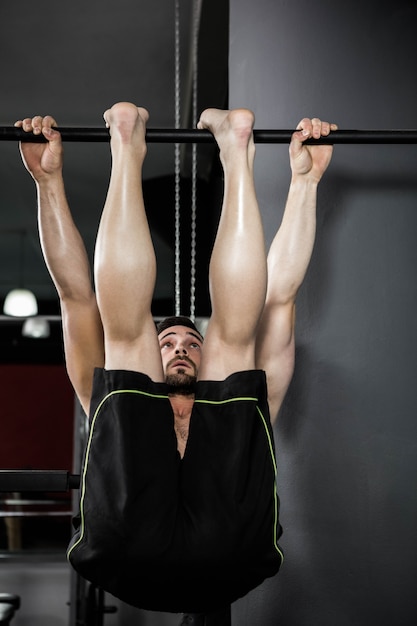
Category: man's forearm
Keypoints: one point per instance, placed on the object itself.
(291, 249)
(62, 246)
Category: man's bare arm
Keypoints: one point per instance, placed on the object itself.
(65, 257)
(288, 260)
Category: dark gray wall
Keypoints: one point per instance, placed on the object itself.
(347, 435)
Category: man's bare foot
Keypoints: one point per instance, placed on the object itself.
(231, 129)
(126, 122)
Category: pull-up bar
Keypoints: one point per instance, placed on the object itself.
(184, 135)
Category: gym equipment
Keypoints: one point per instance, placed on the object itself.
(191, 135)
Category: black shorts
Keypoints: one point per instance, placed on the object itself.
(169, 534)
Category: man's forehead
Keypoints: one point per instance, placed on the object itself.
(180, 330)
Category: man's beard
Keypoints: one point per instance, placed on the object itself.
(181, 384)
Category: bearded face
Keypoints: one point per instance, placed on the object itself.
(181, 357)
(181, 380)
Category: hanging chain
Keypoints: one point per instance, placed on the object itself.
(177, 160)
(196, 25)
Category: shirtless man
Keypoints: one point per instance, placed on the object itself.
(184, 495)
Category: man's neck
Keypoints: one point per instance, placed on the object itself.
(181, 404)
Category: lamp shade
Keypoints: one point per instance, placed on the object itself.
(20, 303)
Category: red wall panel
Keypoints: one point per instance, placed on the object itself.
(36, 417)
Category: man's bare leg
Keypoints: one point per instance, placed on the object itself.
(238, 263)
(125, 265)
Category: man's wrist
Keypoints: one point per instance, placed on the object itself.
(304, 181)
(49, 182)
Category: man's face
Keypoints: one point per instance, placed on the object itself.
(181, 354)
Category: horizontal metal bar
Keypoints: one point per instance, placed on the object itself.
(25, 502)
(184, 135)
(20, 514)
(37, 480)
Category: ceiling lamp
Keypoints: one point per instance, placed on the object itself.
(20, 303)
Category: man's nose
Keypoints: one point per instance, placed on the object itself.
(181, 349)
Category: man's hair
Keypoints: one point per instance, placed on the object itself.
(177, 320)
